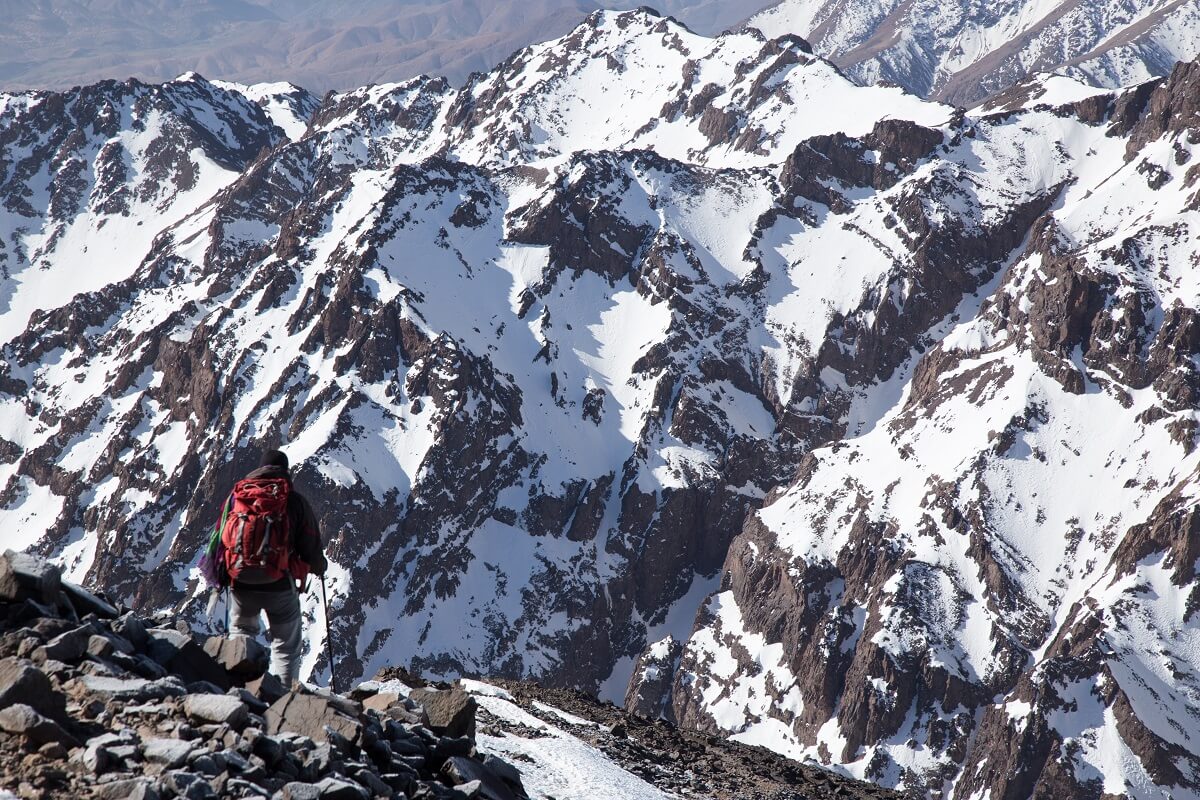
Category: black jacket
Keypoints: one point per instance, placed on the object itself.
(305, 533)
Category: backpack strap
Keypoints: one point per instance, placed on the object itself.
(224, 516)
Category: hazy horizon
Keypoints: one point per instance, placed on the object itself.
(56, 44)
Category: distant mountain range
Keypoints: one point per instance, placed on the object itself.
(56, 44)
(962, 52)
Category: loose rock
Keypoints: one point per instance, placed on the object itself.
(241, 656)
(21, 719)
(217, 709)
(451, 711)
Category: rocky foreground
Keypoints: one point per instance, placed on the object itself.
(98, 702)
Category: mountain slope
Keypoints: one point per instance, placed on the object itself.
(1002, 562)
(486, 322)
(962, 53)
(542, 348)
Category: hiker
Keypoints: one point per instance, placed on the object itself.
(271, 542)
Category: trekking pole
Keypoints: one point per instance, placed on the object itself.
(328, 638)
(226, 612)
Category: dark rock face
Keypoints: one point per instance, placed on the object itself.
(654, 671)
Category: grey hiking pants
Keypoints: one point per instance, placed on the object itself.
(283, 614)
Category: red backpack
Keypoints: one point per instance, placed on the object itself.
(254, 529)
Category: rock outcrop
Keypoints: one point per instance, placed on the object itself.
(91, 726)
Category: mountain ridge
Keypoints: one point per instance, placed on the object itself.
(964, 55)
(541, 365)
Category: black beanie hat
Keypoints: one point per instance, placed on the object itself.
(274, 458)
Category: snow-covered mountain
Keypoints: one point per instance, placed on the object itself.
(962, 52)
(673, 368)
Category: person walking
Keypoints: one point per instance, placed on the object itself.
(271, 541)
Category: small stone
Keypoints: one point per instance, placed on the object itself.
(205, 687)
(135, 789)
(205, 765)
(619, 730)
(124, 752)
(382, 701)
(448, 747)
(218, 709)
(337, 789)
(96, 759)
(100, 646)
(235, 761)
(147, 667)
(241, 787)
(171, 753)
(472, 789)
(250, 699)
(86, 602)
(181, 783)
(269, 750)
(53, 751)
(374, 786)
(300, 791)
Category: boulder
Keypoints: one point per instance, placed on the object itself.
(131, 627)
(300, 791)
(67, 647)
(23, 720)
(338, 789)
(459, 770)
(241, 656)
(502, 769)
(21, 682)
(187, 785)
(95, 759)
(85, 602)
(135, 789)
(382, 701)
(216, 709)
(181, 656)
(129, 689)
(314, 715)
(451, 712)
(268, 688)
(23, 576)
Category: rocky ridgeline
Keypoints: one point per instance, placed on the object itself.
(679, 762)
(99, 703)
